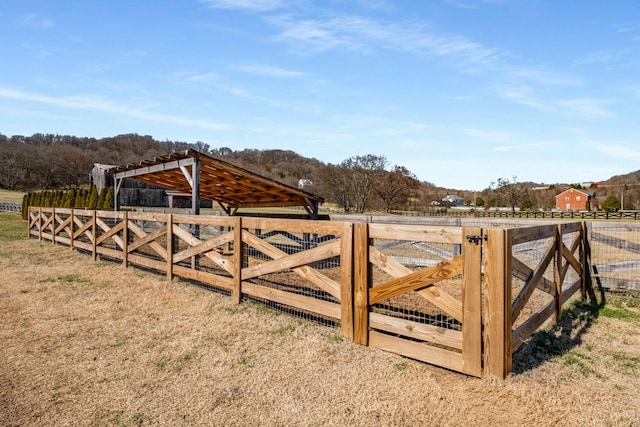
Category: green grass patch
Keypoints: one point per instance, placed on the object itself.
(620, 313)
(12, 227)
(283, 330)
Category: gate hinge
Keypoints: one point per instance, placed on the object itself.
(472, 238)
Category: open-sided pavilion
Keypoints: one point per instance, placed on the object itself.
(206, 177)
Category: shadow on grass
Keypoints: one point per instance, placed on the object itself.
(560, 339)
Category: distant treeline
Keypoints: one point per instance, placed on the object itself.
(361, 183)
(80, 199)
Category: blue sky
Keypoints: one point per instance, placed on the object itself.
(461, 92)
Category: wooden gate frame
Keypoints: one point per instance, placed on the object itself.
(424, 283)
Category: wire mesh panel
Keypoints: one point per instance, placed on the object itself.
(547, 265)
(295, 266)
(615, 254)
(417, 295)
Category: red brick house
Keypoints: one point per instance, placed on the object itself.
(573, 199)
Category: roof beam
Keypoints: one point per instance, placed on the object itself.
(157, 168)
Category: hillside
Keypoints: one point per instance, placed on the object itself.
(367, 182)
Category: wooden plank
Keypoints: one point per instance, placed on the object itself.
(286, 262)
(63, 240)
(83, 228)
(387, 264)
(147, 262)
(210, 220)
(140, 233)
(497, 303)
(190, 239)
(423, 352)
(443, 300)
(346, 281)
(110, 214)
(308, 273)
(147, 216)
(523, 272)
(84, 246)
(238, 248)
(525, 330)
(361, 283)
(416, 280)
(570, 227)
(532, 282)
(204, 277)
(293, 225)
(111, 232)
(104, 227)
(64, 225)
(418, 233)
(300, 302)
(94, 231)
(150, 237)
(204, 246)
(112, 253)
(415, 330)
(529, 234)
(472, 303)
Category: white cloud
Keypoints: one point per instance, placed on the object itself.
(586, 107)
(618, 151)
(90, 102)
(268, 71)
(367, 35)
(253, 5)
(37, 21)
(522, 147)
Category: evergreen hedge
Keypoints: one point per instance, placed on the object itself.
(80, 198)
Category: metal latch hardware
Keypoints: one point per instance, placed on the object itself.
(476, 239)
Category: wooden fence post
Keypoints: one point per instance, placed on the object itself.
(71, 230)
(125, 239)
(169, 247)
(237, 260)
(497, 304)
(361, 283)
(346, 280)
(559, 274)
(472, 302)
(94, 230)
(53, 225)
(40, 223)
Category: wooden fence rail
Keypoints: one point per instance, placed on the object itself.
(442, 295)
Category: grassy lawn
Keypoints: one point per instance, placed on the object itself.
(95, 344)
(11, 196)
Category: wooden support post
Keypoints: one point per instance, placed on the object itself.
(237, 260)
(472, 302)
(71, 230)
(559, 275)
(94, 230)
(583, 261)
(346, 281)
(53, 225)
(125, 239)
(497, 303)
(39, 223)
(361, 283)
(169, 247)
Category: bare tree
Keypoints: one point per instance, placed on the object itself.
(396, 187)
(509, 192)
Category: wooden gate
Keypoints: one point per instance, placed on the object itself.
(418, 293)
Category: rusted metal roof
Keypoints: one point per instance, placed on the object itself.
(231, 186)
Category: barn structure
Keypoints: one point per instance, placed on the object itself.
(574, 199)
(204, 177)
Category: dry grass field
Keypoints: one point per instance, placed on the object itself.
(94, 344)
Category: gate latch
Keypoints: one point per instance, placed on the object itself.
(472, 238)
